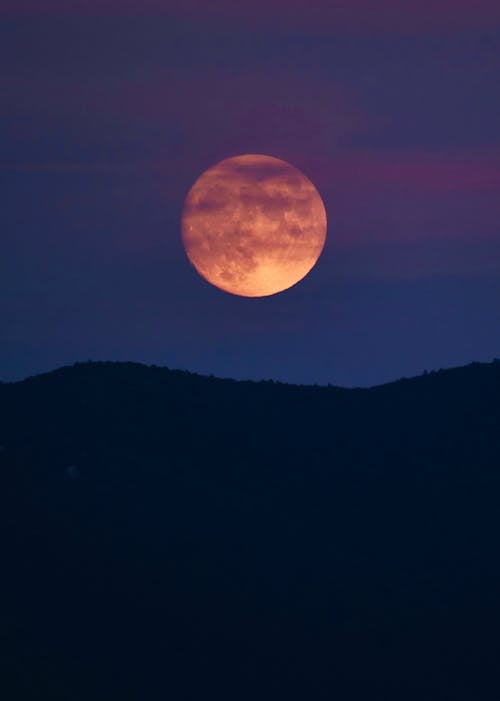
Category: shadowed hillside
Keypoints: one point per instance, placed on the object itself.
(171, 536)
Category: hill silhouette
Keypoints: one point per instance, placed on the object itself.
(172, 536)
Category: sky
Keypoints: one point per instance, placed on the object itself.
(111, 109)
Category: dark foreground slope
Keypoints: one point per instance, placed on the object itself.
(168, 536)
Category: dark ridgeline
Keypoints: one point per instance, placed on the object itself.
(170, 536)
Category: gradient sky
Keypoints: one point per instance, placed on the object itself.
(109, 110)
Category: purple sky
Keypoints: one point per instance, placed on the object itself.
(110, 110)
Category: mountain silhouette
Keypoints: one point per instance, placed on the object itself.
(172, 536)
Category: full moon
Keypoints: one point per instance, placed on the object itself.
(253, 225)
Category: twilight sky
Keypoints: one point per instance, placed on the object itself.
(110, 109)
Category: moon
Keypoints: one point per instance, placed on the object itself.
(253, 225)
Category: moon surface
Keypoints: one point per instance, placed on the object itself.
(253, 225)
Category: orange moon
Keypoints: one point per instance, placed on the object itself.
(253, 225)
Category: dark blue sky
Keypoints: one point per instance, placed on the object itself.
(110, 111)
